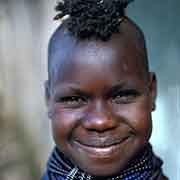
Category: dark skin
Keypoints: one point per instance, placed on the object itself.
(100, 98)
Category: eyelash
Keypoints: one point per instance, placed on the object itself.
(125, 96)
(121, 97)
(73, 101)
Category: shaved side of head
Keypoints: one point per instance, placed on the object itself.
(63, 40)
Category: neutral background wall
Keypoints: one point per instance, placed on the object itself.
(25, 27)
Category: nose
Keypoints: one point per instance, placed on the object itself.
(99, 118)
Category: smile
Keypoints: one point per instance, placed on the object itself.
(101, 150)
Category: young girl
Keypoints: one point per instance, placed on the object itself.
(100, 95)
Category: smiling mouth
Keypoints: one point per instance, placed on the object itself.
(101, 149)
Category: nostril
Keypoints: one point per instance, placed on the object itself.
(99, 123)
(99, 117)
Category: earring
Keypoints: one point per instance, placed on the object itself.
(154, 106)
(50, 114)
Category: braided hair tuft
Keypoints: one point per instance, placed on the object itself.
(92, 18)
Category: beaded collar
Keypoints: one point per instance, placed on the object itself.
(60, 168)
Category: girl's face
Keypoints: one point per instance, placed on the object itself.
(100, 104)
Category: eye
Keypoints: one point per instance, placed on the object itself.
(125, 96)
(72, 101)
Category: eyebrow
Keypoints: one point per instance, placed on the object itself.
(67, 88)
(121, 86)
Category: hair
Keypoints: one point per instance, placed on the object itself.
(97, 19)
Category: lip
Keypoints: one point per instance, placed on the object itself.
(101, 150)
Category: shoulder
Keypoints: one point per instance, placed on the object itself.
(45, 177)
(162, 177)
(159, 176)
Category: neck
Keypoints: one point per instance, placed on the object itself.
(140, 168)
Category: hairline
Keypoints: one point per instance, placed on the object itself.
(134, 31)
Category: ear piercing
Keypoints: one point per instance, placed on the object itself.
(154, 106)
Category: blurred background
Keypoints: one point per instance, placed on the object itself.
(25, 27)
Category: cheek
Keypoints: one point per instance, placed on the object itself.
(63, 121)
(138, 117)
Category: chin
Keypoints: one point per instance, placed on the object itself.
(104, 171)
(105, 165)
(108, 161)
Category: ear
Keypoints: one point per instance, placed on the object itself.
(153, 89)
(47, 91)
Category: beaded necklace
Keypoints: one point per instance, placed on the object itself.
(60, 168)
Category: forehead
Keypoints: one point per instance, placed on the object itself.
(120, 54)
